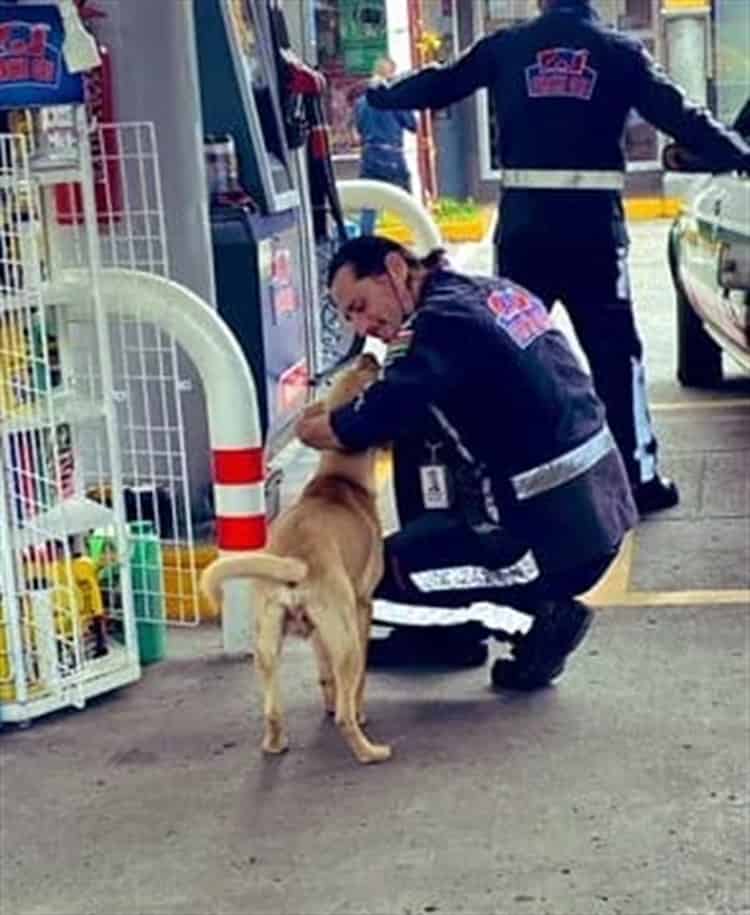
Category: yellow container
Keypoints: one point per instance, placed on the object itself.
(457, 230)
(28, 634)
(469, 228)
(75, 596)
(182, 567)
(390, 226)
(79, 578)
(7, 686)
(638, 208)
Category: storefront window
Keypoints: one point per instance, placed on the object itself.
(438, 23)
(351, 35)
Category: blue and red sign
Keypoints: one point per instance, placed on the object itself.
(561, 73)
(32, 67)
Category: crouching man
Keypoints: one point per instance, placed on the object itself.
(536, 503)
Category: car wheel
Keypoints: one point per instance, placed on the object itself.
(698, 356)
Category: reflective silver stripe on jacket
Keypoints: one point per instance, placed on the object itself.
(556, 179)
(564, 468)
(458, 578)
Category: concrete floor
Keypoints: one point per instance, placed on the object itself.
(624, 789)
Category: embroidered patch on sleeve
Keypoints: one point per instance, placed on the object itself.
(399, 346)
(561, 73)
(521, 315)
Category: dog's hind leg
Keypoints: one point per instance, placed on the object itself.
(364, 617)
(325, 674)
(270, 631)
(347, 661)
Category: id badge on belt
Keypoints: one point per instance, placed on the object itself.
(433, 477)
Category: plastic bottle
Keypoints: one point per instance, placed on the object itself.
(146, 574)
(7, 686)
(92, 606)
(77, 578)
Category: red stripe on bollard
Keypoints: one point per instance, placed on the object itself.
(238, 465)
(248, 533)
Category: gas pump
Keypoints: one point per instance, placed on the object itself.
(265, 214)
(258, 238)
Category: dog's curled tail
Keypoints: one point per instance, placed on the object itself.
(254, 564)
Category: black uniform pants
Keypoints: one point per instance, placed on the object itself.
(438, 560)
(593, 285)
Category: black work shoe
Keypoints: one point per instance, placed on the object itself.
(428, 646)
(539, 657)
(656, 495)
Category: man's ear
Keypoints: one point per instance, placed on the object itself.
(396, 265)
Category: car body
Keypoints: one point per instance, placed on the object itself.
(709, 256)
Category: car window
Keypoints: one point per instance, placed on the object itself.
(742, 121)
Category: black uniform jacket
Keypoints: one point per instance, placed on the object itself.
(484, 353)
(563, 86)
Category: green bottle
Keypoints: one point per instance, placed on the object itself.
(148, 589)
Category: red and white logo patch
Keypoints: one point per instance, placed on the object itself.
(521, 314)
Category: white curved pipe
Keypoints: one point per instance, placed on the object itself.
(231, 402)
(233, 418)
(363, 193)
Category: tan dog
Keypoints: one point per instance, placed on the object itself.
(315, 579)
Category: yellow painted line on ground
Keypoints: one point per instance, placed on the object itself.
(679, 406)
(697, 598)
(614, 589)
(610, 589)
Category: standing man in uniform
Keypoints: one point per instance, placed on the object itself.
(563, 86)
(536, 503)
(382, 136)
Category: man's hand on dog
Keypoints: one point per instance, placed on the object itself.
(314, 429)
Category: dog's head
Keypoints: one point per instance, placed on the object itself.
(353, 380)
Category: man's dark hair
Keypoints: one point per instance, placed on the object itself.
(366, 256)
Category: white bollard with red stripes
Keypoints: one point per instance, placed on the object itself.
(239, 475)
